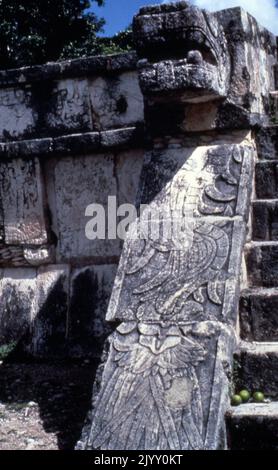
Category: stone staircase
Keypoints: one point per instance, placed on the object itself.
(255, 426)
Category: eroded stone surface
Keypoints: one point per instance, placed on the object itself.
(17, 116)
(22, 199)
(56, 313)
(49, 316)
(265, 220)
(259, 315)
(116, 101)
(257, 363)
(90, 292)
(74, 183)
(68, 110)
(176, 301)
(267, 143)
(267, 180)
(17, 300)
(253, 427)
(262, 264)
(200, 57)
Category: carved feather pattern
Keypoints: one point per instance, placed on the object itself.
(185, 271)
(140, 407)
(151, 392)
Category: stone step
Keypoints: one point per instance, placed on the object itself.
(266, 180)
(259, 314)
(265, 220)
(253, 427)
(262, 263)
(267, 143)
(256, 368)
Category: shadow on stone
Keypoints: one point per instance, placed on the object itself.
(50, 366)
(61, 390)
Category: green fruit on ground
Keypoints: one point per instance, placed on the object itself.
(245, 395)
(258, 397)
(236, 400)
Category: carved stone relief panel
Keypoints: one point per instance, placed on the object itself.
(165, 384)
(17, 116)
(22, 200)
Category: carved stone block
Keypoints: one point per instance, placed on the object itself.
(259, 315)
(267, 180)
(116, 101)
(48, 329)
(68, 110)
(165, 384)
(190, 57)
(73, 184)
(90, 292)
(22, 200)
(17, 116)
(17, 298)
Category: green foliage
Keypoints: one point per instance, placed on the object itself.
(37, 31)
(121, 42)
(6, 349)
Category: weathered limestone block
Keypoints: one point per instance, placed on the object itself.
(17, 300)
(68, 109)
(267, 143)
(49, 316)
(128, 170)
(165, 384)
(54, 312)
(39, 256)
(190, 57)
(267, 180)
(34, 307)
(180, 57)
(17, 116)
(252, 47)
(253, 426)
(74, 183)
(57, 99)
(262, 264)
(22, 200)
(116, 101)
(77, 183)
(256, 365)
(90, 292)
(265, 220)
(259, 315)
(19, 256)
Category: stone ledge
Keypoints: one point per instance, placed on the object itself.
(96, 65)
(265, 219)
(259, 348)
(267, 143)
(262, 264)
(255, 410)
(258, 368)
(253, 427)
(266, 179)
(259, 292)
(259, 314)
(75, 144)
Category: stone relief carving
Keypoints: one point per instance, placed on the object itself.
(17, 116)
(202, 59)
(189, 57)
(69, 106)
(166, 380)
(175, 301)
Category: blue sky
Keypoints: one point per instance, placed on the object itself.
(118, 13)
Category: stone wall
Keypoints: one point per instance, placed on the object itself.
(71, 135)
(179, 125)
